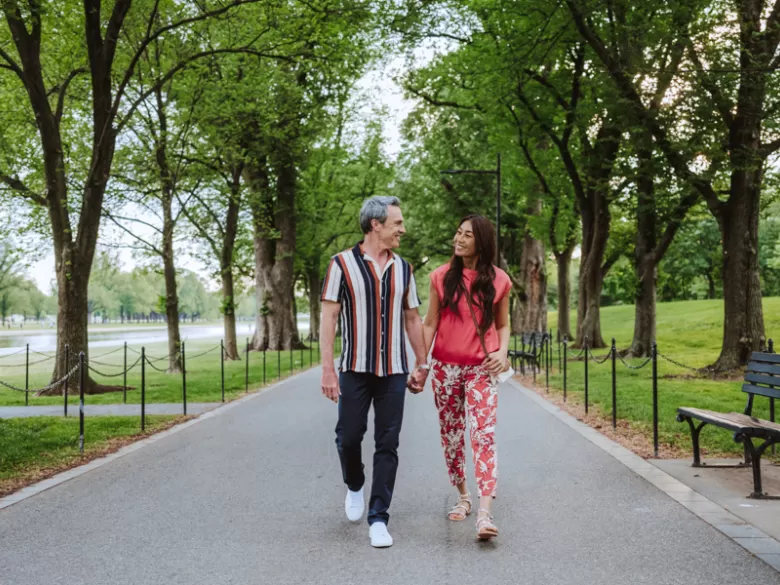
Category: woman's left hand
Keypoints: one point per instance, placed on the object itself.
(495, 363)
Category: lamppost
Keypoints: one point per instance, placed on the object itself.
(497, 173)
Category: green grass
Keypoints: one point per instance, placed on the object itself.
(34, 448)
(203, 374)
(690, 332)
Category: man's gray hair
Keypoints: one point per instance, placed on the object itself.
(376, 208)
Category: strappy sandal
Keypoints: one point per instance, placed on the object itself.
(485, 527)
(461, 510)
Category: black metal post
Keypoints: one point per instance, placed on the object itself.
(82, 381)
(143, 389)
(498, 208)
(67, 378)
(265, 350)
(279, 364)
(547, 363)
(533, 353)
(654, 355)
(560, 366)
(27, 377)
(292, 363)
(222, 366)
(586, 374)
(124, 379)
(183, 379)
(614, 385)
(565, 364)
(550, 352)
(311, 351)
(246, 371)
(771, 349)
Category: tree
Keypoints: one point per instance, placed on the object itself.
(727, 157)
(50, 56)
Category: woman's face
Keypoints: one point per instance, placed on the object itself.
(465, 245)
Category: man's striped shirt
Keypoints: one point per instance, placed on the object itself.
(372, 305)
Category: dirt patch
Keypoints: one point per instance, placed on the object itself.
(35, 474)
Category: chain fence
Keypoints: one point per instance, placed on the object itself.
(545, 361)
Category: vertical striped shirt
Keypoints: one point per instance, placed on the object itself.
(372, 305)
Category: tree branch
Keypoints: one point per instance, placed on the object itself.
(148, 246)
(18, 186)
(629, 93)
(441, 103)
(181, 65)
(721, 103)
(63, 90)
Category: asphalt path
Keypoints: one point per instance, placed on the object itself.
(254, 496)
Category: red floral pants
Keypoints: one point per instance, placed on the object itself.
(461, 392)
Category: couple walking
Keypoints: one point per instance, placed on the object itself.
(373, 291)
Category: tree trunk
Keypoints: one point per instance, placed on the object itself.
(226, 262)
(315, 285)
(645, 261)
(171, 308)
(710, 285)
(563, 261)
(595, 232)
(743, 326)
(530, 312)
(229, 317)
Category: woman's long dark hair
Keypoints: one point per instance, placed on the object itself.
(483, 292)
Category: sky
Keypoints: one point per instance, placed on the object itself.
(377, 84)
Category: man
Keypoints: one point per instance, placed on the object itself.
(374, 292)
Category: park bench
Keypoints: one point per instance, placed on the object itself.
(530, 351)
(762, 378)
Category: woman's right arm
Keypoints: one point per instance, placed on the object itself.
(431, 322)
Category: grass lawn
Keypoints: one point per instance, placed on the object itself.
(203, 374)
(32, 449)
(689, 332)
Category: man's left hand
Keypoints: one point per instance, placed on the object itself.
(417, 380)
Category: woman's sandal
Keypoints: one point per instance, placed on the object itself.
(485, 527)
(460, 510)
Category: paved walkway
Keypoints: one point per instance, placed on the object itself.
(253, 496)
(106, 409)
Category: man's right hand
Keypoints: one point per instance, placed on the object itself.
(330, 384)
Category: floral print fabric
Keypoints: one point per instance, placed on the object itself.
(463, 392)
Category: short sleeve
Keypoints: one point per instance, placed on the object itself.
(411, 299)
(503, 285)
(331, 287)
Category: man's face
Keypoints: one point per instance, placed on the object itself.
(391, 231)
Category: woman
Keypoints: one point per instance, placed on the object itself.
(468, 315)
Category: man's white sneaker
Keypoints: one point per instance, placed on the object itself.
(380, 537)
(354, 505)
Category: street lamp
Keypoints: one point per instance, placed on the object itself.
(497, 173)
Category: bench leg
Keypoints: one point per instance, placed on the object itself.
(695, 431)
(755, 458)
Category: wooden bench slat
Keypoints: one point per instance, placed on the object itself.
(734, 421)
(760, 368)
(760, 379)
(769, 358)
(761, 391)
(712, 417)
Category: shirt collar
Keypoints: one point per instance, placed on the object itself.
(360, 251)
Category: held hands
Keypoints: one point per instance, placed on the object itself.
(416, 381)
(495, 363)
(330, 385)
